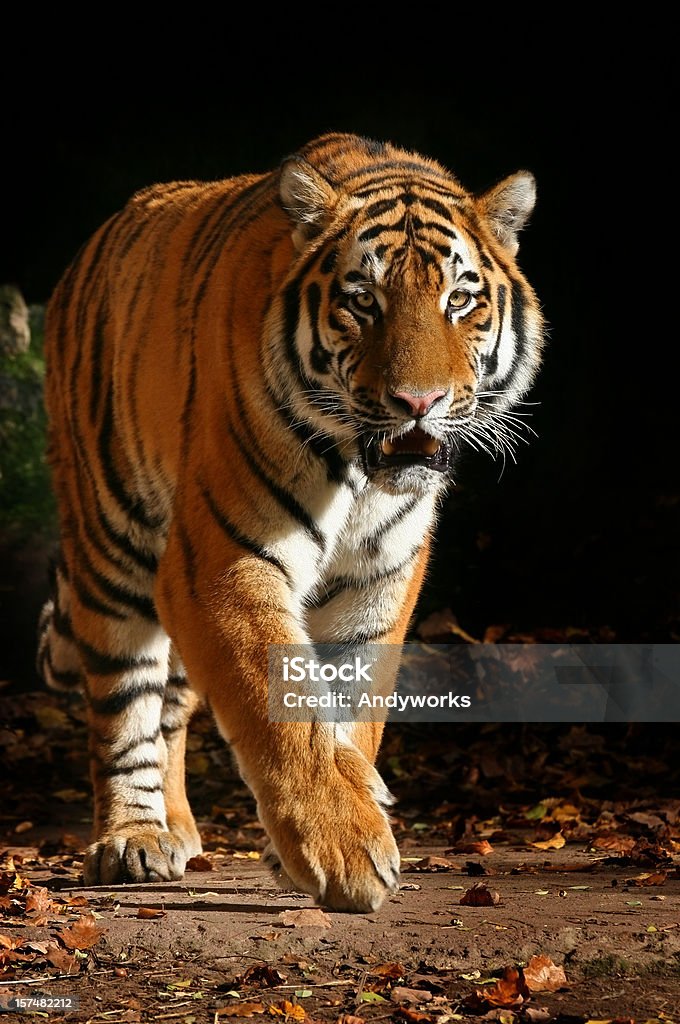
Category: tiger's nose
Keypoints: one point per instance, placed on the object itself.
(417, 405)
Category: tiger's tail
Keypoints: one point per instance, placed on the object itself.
(58, 660)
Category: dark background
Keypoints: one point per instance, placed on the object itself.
(583, 531)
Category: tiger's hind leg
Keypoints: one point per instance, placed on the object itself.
(58, 660)
(125, 660)
(179, 704)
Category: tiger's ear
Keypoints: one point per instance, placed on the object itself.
(507, 207)
(307, 197)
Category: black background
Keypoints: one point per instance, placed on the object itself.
(583, 531)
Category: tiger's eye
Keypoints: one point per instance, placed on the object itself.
(364, 299)
(459, 300)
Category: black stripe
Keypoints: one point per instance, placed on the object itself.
(236, 535)
(132, 746)
(435, 206)
(320, 357)
(491, 361)
(109, 772)
(145, 559)
(131, 506)
(140, 604)
(372, 542)
(101, 663)
(118, 702)
(343, 583)
(91, 601)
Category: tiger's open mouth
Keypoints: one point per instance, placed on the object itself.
(416, 448)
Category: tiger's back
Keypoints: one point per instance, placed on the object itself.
(256, 391)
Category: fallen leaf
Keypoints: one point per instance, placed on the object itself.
(38, 901)
(542, 975)
(509, 992)
(261, 974)
(431, 864)
(391, 971)
(290, 1011)
(537, 1015)
(349, 1018)
(23, 826)
(400, 994)
(655, 878)
(70, 796)
(239, 1009)
(415, 1016)
(84, 934)
(371, 997)
(150, 913)
(613, 843)
(480, 896)
(555, 842)
(305, 919)
(64, 961)
(199, 863)
(482, 848)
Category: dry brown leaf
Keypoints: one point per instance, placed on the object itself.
(646, 878)
(613, 843)
(304, 919)
(413, 1016)
(64, 961)
(401, 994)
(239, 1009)
(38, 902)
(542, 975)
(555, 842)
(480, 896)
(200, 863)
(84, 934)
(482, 848)
(290, 1011)
(150, 913)
(390, 971)
(509, 993)
(261, 974)
(349, 1018)
(431, 864)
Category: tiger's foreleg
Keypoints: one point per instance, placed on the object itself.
(318, 795)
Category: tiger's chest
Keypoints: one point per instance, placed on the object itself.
(362, 578)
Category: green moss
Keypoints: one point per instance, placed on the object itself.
(27, 505)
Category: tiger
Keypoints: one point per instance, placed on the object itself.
(257, 391)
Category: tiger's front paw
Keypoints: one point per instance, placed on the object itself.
(337, 844)
(139, 856)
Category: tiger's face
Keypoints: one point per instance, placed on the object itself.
(416, 332)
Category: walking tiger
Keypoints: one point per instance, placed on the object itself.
(257, 389)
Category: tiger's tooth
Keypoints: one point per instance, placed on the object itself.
(430, 445)
(387, 447)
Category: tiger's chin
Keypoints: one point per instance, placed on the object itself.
(413, 463)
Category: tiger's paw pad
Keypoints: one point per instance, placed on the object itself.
(139, 857)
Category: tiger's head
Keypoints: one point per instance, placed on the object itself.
(407, 322)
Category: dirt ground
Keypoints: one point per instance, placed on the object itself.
(522, 817)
